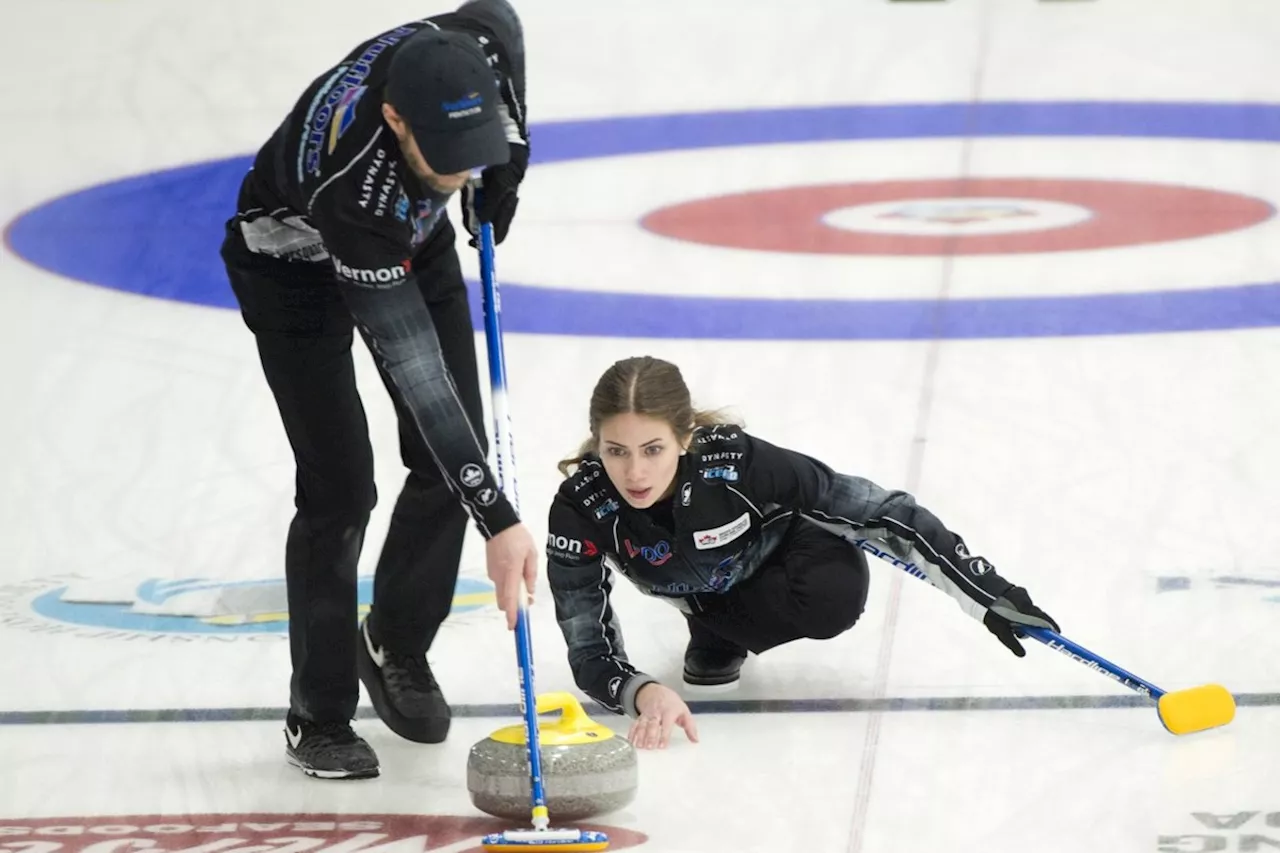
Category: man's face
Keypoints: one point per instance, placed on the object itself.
(413, 156)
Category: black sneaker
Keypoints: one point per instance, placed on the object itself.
(328, 750)
(712, 667)
(403, 691)
(711, 660)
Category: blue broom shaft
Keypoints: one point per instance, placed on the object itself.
(1061, 644)
(524, 652)
(497, 376)
(492, 318)
(492, 300)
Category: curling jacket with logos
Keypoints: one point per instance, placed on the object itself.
(735, 496)
(330, 187)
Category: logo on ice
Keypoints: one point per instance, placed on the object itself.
(183, 609)
(262, 833)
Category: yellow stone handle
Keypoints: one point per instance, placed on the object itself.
(573, 718)
(572, 728)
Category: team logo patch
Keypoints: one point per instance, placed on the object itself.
(656, 554)
(471, 475)
(344, 114)
(565, 547)
(472, 104)
(728, 473)
(717, 536)
(721, 576)
(979, 567)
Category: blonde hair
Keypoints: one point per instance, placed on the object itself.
(642, 385)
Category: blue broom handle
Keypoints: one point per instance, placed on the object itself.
(492, 302)
(529, 706)
(1057, 642)
(1094, 661)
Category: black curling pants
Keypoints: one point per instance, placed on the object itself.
(813, 586)
(304, 332)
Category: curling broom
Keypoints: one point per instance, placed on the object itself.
(541, 837)
(1182, 712)
(1193, 709)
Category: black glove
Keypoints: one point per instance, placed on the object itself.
(1012, 609)
(498, 199)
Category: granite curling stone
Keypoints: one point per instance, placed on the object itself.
(587, 769)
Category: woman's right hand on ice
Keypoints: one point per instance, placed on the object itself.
(511, 558)
(661, 710)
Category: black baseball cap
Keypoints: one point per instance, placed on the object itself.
(441, 84)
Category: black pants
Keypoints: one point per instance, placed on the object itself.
(304, 332)
(814, 586)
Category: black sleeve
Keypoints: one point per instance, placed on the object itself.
(372, 266)
(889, 524)
(503, 43)
(580, 579)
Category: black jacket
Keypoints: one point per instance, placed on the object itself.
(734, 498)
(330, 187)
(330, 183)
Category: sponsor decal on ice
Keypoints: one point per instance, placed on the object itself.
(1251, 831)
(265, 833)
(178, 610)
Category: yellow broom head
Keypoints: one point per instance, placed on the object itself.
(1196, 709)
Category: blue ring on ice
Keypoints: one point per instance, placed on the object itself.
(158, 234)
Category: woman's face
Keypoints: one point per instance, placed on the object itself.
(640, 454)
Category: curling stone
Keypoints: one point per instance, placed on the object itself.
(587, 769)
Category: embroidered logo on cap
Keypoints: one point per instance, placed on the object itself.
(468, 106)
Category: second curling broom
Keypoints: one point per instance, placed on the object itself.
(541, 837)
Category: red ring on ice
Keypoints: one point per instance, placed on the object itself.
(1123, 214)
